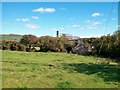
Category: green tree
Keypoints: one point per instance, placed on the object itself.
(29, 39)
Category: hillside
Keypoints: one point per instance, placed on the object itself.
(10, 37)
(57, 70)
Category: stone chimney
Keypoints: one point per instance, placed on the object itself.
(57, 34)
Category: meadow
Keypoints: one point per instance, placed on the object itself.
(57, 70)
(10, 37)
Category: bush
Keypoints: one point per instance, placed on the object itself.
(54, 44)
(29, 39)
(107, 46)
(21, 47)
(6, 44)
(13, 47)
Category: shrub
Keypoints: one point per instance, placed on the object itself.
(107, 46)
(13, 47)
(21, 47)
(29, 39)
(54, 44)
(6, 44)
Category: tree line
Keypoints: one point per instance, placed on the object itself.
(46, 43)
(106, 46)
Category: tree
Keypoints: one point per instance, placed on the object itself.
(29, 39)
(109, 45)
(55, 44)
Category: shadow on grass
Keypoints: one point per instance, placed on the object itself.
(105, 71)
(20, 62)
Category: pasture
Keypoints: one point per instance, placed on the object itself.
(10, 37)
(56, 70)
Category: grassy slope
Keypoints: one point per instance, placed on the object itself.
(10, 37)
(56, 70)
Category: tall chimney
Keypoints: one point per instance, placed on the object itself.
(57, 33)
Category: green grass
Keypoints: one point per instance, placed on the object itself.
(11, 37)
(56, 70)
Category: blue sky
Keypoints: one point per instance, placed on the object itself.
(60, 0)
(83, 19)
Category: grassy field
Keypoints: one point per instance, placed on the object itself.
(11, 37)
(56, 70)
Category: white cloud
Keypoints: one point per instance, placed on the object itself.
(88, 28)
(75, 25)
(23, 19)
(95, 23)
(54, 29)
(82, 28)
(32, 26)
(91, 25)
(61, 28)
(89, 36)
(35, 17)
(97, 14)
(113, 19)
(57, 29)
(17, 19)
(44, 10)
(118, 26)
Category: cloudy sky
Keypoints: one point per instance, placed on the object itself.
(83, 19)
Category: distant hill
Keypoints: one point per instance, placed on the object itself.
(10, 37)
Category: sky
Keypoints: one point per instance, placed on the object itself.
(60, 0)
(83, 19)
